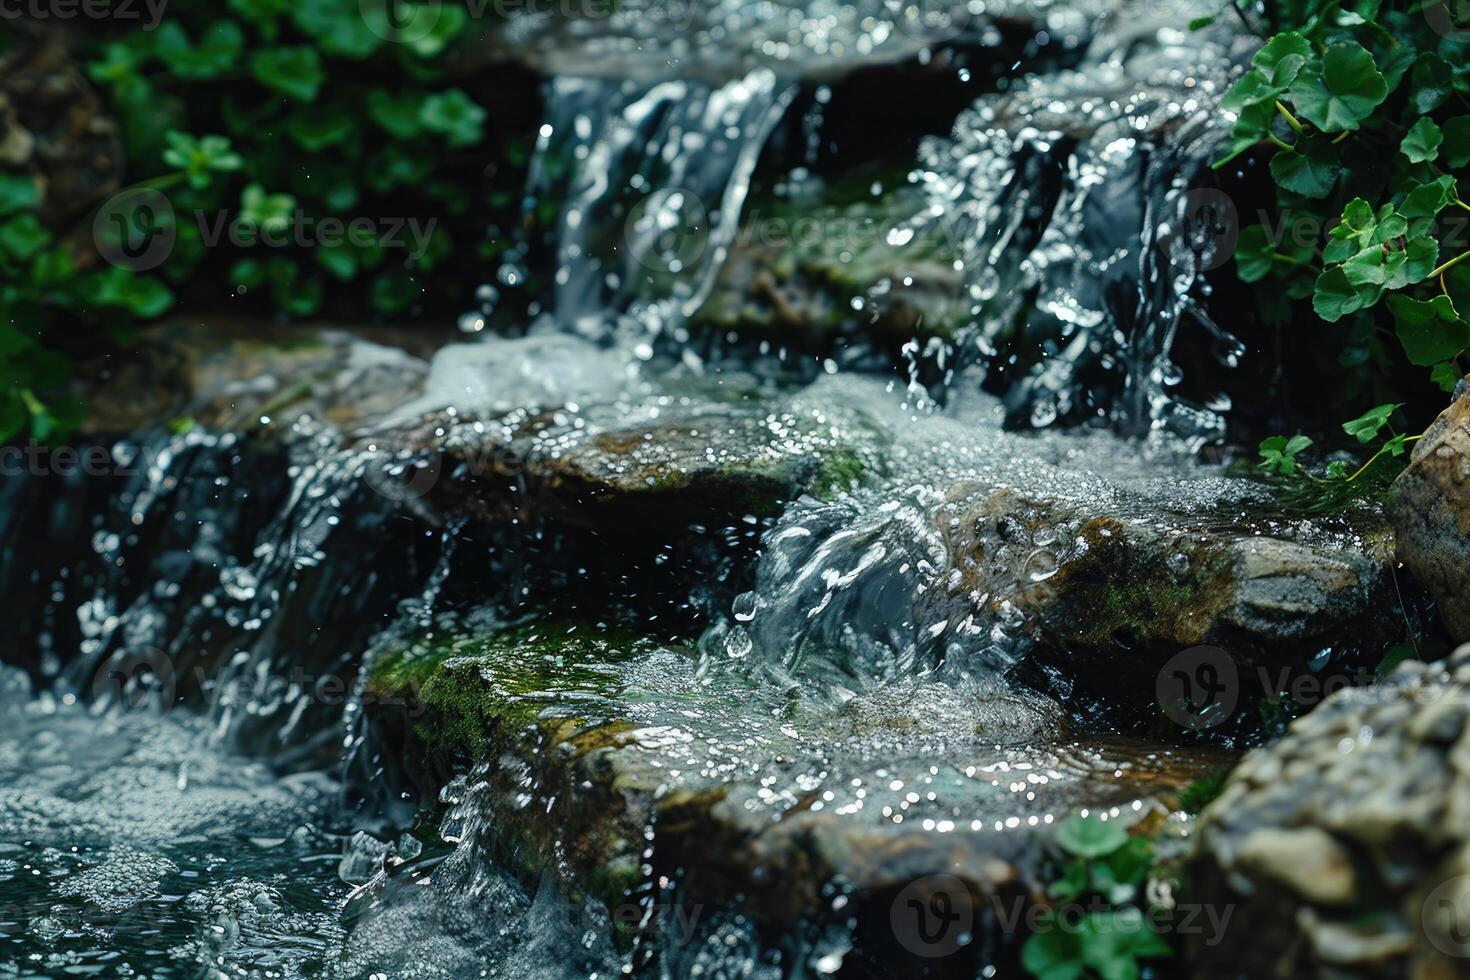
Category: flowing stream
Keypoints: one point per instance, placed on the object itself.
(262, 828)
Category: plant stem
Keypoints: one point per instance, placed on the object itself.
(1364, 468)
(1291, 120)
(1449, 265)
(1280, 142)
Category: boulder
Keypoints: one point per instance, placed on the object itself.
(1431, 509)
(621, 762)
(1344, 849)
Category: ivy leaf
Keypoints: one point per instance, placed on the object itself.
(1253, 250)
(200, 157)
(1430, 332)
(217, 51)
(1421, 144)
(398, 115)
(1278, 453)
(1372, 266)
(18, 192)
(1252, 125)
(1456, 146)
(338, 26)
(319, 127)
(455, 115)
(1428, 200)
(1420, 258)
(295, 72)
(1309, 169)
(1254, 88)
(1053, 953)
(268, 212)
(1335, 297)
(1343, 91)
(1283, 57)
(23, 236)
(1431, 82)
(1446, 375)
(1365, 428)
(1089, 837)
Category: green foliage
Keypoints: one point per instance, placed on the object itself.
(1363, 110)
(260, 111)
(1104, 872)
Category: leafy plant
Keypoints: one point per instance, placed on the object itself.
(263, 112)
(1112, 936)
(1363, 109)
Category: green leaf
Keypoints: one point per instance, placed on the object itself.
(23, 236)
(339, 26)
(1430, 332)
(1252, 126)
(455, 115)
(295, 72)
(1431, 82)
(1420, 259)
(217, 51)
(318, 127)
(1456, 147)
(1309, 169)
(1278, 453)
(1089, 837)
(397, 114)
(1052, 952)
(1253, 261)
(1254, 88)
(1421, 144)
(1365, 428)
(200, 158)
(1335, 297)
(18, 192)
(1073, 882)
(1446, 375)
(1283, 57)
(269, 212)
(1343, 91)
(1428, 200)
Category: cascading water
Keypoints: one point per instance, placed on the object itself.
(232, 567)
(1079, 205)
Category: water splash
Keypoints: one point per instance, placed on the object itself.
(1079, 203)
(651, 178)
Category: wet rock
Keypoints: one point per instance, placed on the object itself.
(805, 273)
(635, 772)
(1342, 847)
(230, 375)
(1431, 510)
(54, 128)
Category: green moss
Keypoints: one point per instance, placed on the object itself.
(1119, 593)
(1203, 791)
(460, 688)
